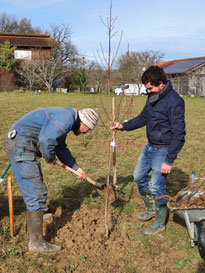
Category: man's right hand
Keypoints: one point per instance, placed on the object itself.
(116, 126)
(83, 175)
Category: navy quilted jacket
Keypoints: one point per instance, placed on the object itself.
(163, 116)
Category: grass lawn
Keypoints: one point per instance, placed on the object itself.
(78, 222)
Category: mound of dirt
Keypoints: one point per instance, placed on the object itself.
(88, 250)
(85, 237)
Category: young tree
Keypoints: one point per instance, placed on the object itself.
(108, 62)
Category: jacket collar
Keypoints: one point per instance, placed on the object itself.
(154, 98)
(76, 124)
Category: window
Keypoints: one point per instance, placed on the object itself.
(22, 54)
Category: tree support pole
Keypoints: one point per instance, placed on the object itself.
(11, 212)
(114, 146)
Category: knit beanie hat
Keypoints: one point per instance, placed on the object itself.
(89, 117)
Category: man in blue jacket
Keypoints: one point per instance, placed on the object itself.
(163, 116)
(42, 133)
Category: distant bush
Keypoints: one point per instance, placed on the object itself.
(7, 81)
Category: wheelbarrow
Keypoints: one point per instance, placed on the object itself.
(193, 217)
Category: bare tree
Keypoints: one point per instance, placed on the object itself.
(97, 77)
(46, 71)
(10, 23)
(27, 70)
(64, 53)
(108, 62)
(132, 65)
(24, 26)
(63, 50)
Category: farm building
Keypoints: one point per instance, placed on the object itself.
(28, 46)
(187, 75)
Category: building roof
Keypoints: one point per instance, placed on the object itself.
(26, 40)
(181, 66)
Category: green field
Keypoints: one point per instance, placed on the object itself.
(68, 197)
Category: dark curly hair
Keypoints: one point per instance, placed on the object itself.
(154, 74)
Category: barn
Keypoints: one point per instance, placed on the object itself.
(187, 75)
(28, 46)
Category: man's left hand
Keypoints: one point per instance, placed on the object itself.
(165, 168)
(83, 175)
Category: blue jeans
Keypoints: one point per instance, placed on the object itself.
(151, 159)
(27, 170)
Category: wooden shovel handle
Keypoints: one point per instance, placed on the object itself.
(79, 174)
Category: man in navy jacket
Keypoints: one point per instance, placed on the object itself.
(163, 116)
(42, 133)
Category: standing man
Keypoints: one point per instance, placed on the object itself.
(163, 116)
(42, 133)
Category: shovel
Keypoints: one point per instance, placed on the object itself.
(97, 185)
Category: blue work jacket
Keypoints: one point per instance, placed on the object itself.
(43, 132)
(163, 116)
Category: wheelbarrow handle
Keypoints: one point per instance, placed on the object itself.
(192, 180)
(79, 174)
(192, 176)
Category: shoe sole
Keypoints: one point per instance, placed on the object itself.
(145, 232)
(146, 219)
(43, 251)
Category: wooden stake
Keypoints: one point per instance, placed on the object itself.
(10, 199)
(114, 148)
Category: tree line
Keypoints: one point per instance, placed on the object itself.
(66, 62)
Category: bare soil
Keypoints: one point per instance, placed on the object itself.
(90, 250)
(85, 248)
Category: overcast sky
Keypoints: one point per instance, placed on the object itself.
(173, 27)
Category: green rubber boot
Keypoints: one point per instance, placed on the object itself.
(149, 213)
(160, 218)
(35, 229)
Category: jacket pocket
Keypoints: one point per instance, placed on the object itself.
(10, 145)
(27, 165)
